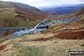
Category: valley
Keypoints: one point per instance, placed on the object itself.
(66, 33)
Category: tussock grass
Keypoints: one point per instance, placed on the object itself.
(28, 50)
(59, 47)
(36, 36)
(82, 45)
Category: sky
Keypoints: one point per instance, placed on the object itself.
(48, 3)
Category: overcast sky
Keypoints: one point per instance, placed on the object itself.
(42, 3)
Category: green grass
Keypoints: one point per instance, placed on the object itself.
(82, 45)
(2, 11)
(28, 50)
(3, 39)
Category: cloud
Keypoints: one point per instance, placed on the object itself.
(58, 2)
(42, 3)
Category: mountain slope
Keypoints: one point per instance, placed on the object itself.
(22, 7)
(13, 14)
(55, 41)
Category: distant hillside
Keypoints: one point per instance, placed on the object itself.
(62, 9)
(80, 12)
(77, 14)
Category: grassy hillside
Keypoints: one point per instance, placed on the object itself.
(13, 14)
(55, 41)
(53, 47)
(69, 30)
(19, 13)
(8, 19)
